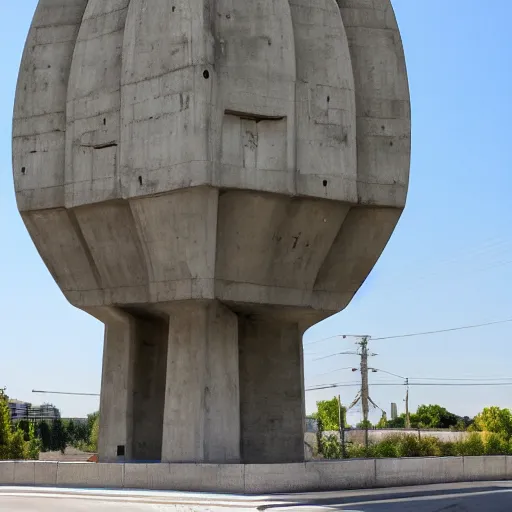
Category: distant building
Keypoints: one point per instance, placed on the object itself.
(18, 409)
(43, 412)
(394, 411)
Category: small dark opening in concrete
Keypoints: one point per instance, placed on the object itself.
(120, 450)
(328, 99)
(391, 143)
(23, 170)
(173, 8)
(140, 180)
(104, 121)
(325, 183)
(206, 74)
(382, 127)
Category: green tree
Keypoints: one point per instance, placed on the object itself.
(5, 427)
(18, 448)
(58, 436)
(433, 416)
(494, 419)
(95, 430)
(34, 443)
(70, 431)
(383, 422)
(398, 422)
(328, 413)
(365, 424)
(44, 433)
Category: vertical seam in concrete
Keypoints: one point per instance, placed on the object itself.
(374, 473)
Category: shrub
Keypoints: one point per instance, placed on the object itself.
(495, 444)
(409, 446)
(387, 448)
(448, 449)
(429, 446)
(331, 447)
(471, 446)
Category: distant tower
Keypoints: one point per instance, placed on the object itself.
(209, 179)
(394, 412)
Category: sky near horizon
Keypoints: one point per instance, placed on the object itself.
(448, 264)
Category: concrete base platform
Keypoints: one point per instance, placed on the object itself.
(254, 479)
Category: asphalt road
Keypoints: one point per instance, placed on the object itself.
(476, 497)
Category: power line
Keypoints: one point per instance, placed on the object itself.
(64, 393)
(439, 384)
(474, 326)
(342, 336)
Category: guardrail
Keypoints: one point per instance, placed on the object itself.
(259, 478)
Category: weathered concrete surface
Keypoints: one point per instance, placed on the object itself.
(249, 160)
(259, 478)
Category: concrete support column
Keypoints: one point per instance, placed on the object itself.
(132, 388)
(116, 404)
(202, 401)
(150, 365)
(271, 391)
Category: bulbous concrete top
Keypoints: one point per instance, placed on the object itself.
(253, 151)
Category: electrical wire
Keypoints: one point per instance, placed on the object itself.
(439, 384)
(460, 328)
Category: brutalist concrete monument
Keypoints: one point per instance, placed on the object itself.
(209, 178)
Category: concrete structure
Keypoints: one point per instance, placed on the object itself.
(259, 478)
(209, 179)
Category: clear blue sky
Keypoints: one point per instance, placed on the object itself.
(449, 262)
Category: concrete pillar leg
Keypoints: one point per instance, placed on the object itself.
(202, 402)
(132, 388)
(116, 404)
(149, 389)
(271, 391)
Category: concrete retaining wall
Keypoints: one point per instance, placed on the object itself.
(259, 478)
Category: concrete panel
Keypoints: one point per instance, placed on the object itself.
(418, 470)
(24, 473)
(168, 81)
(326, 106)
(196, 477)
(492, 467)
(90, 475)
(45, 473)
(309, 476)
(202, 401)
(39, 112)
(382, 101)
(7, 473)
(93, 109)
(273, 478)
(342, 474)
(363, 230)
(271, 391)
(136, 476)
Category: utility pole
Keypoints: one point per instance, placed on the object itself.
(364, 386)
(407, 417)
(341, 423)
